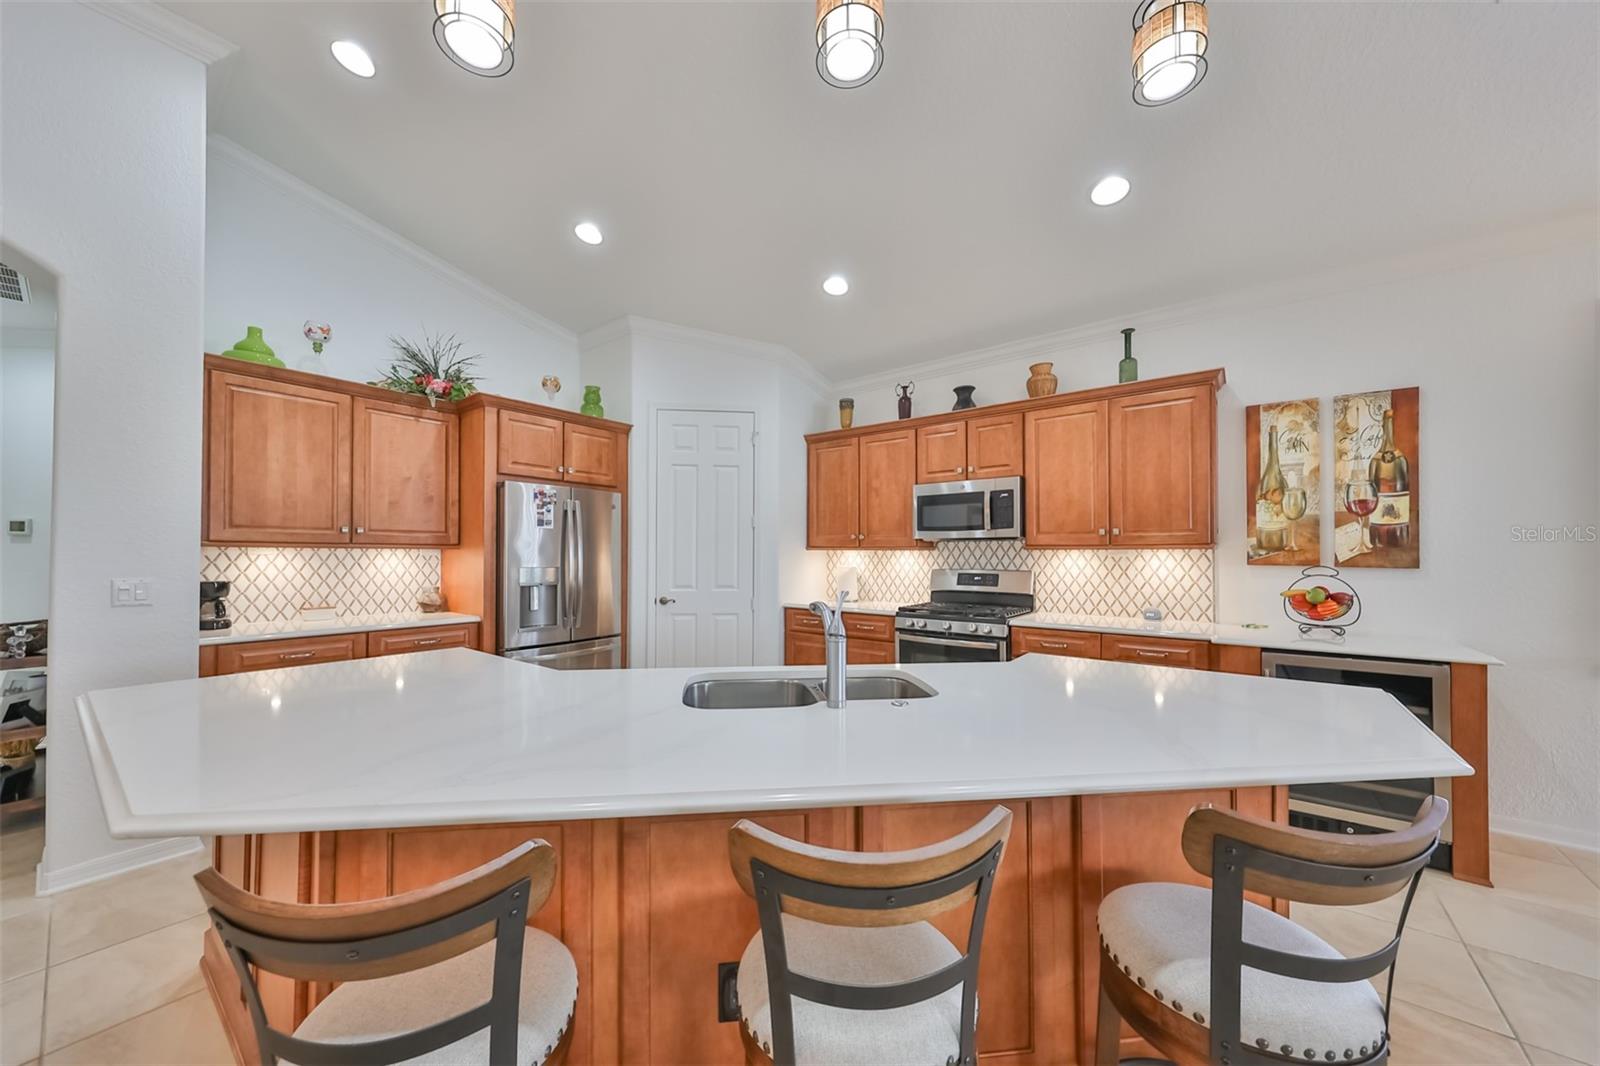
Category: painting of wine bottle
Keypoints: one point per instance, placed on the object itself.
(1377, 517)
(1283, 484)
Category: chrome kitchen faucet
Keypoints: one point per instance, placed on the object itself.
(833, 630)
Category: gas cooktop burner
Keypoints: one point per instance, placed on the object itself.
(970, 602)
(962, 611)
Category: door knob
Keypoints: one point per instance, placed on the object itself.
(664, 600)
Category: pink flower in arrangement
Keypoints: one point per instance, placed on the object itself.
(441, 386)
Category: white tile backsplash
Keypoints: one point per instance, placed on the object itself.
(1180, 582)
(272, 584)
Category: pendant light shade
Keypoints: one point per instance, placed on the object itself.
(477, 35)
(849, 41)
(1169, 49)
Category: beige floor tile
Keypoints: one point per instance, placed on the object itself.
(21, 1011)
(1587, 861)
(1566, 940)
(1421, 1037)
(1553, 884)
(1526, 847)
(1433, 972)
(16, 895)
(1425, 913)
(101, 989)
(20, 850)
(109, 912)
(1541, 1057)
(24, 941)
(1548, 1008)
(184, 1033)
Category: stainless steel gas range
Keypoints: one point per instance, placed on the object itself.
(967, 618)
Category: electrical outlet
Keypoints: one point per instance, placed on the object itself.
(130, 592)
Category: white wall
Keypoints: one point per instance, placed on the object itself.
(1501, 339)
(27, 391)
(279, 252)
(103, 179)
(645, 366)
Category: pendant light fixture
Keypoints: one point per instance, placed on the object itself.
(477, 35)
(1169, 49)
(849, 41)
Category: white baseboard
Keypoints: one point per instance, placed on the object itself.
(1561, 835)
(49, 882)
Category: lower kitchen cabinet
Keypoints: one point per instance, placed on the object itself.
(427, 638)
(869, 638)
(299, 651)
(1054, 642)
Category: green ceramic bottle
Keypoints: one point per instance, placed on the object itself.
(1128, 369)
(254, 349)
(591, 402)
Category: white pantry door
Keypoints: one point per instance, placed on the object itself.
(702, 610)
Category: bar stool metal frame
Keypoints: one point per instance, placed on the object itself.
(398, 951)
(771, 886)
(1262, 864)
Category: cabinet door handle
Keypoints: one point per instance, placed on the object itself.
(1116, 532)
(1102, 531)
(561, 470)
(285, 656)
(344, 529)
(361, 529)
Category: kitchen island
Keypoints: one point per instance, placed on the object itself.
(352, 780)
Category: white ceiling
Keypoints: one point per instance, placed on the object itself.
(953, 189)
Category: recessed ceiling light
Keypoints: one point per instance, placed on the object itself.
(354, 58)
(588, 233)
(1109, 190)
(835, 285)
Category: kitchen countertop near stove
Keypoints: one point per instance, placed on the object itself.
(246, 632)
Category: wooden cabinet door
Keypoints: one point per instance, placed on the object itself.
(405, 475)
(833, 493)
(1054, 642)
(423, 638)
(1156, 651)
(868, 652)
(682, 915)
(888, 479)
(298, 651)
(277, 462)
(942, 452)
(804, 649)
(531, 446)
(1067, 474)
(1163, 483)
(593, 456)
(994, 446)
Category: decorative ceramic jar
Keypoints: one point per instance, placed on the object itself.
(254, 349)
(847, 413)
(591, 402)
(963, 397)
(1128, 369)
(1040, 381)
(905, 392)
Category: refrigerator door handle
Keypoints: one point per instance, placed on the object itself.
(569, 536)
(580, 579)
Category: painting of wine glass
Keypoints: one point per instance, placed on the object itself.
(1283, 484)
(1375, 475)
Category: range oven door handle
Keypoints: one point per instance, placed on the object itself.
(947, 642)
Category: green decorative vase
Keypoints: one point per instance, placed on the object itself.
(1128, 368)
(253, 349)
(591, 402)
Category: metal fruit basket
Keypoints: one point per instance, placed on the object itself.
(1304, 602)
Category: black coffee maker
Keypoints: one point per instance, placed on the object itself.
(214, 605)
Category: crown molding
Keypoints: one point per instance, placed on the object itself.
(1506, 244)
(153, 20)
(221, 150)
(768, 352)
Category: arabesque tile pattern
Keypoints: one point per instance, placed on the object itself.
(273, 584)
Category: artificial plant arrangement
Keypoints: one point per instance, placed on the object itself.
(433, 367)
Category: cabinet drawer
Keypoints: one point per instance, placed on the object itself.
(1055, 642)
(796, 620)
(301, 651)
(425, 638)
(868, 626)
(1156, 651)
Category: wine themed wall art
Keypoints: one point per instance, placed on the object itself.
(1375, 480)
(1283, 483)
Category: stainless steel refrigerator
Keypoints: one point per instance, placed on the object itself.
(561, 575)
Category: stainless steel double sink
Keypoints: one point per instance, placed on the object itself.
(756, 691)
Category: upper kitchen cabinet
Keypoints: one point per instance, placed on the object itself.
(277, 462)
(833, 498)
(531, 446)
(405, 475)
(1068, 470)
(888, 473)
(942, 452)
(1163, 460)
(592, 456)
(968, 449)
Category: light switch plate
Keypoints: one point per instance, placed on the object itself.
(130, 592)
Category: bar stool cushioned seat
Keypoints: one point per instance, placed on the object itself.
(388, 1006)
(1159, 935)
(928, 1032)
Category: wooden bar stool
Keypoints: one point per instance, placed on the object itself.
(1206, 976)
(416, 968)
(846, 968)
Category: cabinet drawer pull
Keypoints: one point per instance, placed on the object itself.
(1053, 644)
(1148, 654)
(287, 655)
(430, 640)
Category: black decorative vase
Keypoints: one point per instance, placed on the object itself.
(964, 397)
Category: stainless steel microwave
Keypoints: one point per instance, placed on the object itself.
(969, 510)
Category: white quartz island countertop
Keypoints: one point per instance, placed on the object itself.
(460, 737)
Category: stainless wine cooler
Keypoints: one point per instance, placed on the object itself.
(1371, 806)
